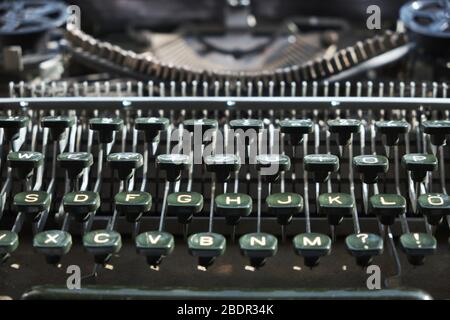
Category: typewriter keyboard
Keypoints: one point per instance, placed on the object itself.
(198, 197)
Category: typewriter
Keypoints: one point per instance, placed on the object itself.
(224, 149)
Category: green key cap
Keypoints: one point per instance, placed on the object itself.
(370, 167)
(321, 165)
(102, 244)
(417, 246)
(133, 204)
(258, 247)
(206, 246)
(223, 165)
(247, 124)
(202, 125)
(75, 162)
(387, 207)
(32, 202)
(391, 130)
(363, 246)
(155, 245)
(434, 206)
(9, 241)
(184, 205)
(173, 165)
(419, 164)
(58, 125)
(336, 206)
(105, 128)
(312, 246)
(151, 127)
(437, 129)
(23, 162)
(284, 206)
(124, 163)
(53, 244)
(344, 128)
(12, 125)
(270, 165)
(81, 204)
(296, 129)
(233, 206)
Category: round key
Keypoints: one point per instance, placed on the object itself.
(102, 244)
(434, 206)
(81, 204)
(336, 206)
(155, 245)
(417, 246)
(321, 165)
(173, 165)
(391, 130)
(233, 206)
(387, 207)
(247, 124)
(370, 167)
(105, 128)
(437, 129)
(184, 205)
(23, 162)
(270, 165)
(57, 125)
(133, 204)
(344, 128)
(364, 246)
(296, 129)
(223, 165)
(54, 244)
(419, 164)
(124, 163)
(207, 246)
(151, 127)
(258, 247)
(284, 206)
(312, 246)
(75, 162)
(12, 125)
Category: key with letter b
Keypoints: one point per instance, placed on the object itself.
(207, 247)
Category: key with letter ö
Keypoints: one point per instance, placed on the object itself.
(434, 206)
